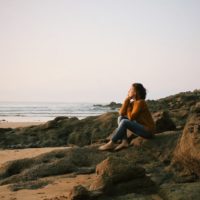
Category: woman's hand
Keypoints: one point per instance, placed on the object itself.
(130, 93)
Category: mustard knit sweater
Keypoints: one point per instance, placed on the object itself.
(138, 111)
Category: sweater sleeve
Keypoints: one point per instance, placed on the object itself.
(137, 108)
(124, 107)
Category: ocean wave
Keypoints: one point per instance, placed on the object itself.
(50, 110)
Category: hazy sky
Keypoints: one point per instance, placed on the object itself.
(93, 50)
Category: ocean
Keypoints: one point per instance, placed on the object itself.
(45, 111)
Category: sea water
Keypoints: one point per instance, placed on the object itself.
(45, 111)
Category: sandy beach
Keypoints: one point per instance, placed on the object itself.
(58, 188)
(6, 124)
(59, 185)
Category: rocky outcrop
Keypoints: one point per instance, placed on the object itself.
(61, 131)
(169, 112)
(79, 193)
(112, 105)
(83, 160)
(187, 152)
(163, 122)
(178, 106)
(72, 160)
(115, 176)
(121, 176)
(133, 173)
(168, 164)
(4, 130)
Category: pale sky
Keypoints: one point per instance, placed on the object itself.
(93, 50)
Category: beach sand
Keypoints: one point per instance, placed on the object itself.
(59, 186)
(57, 189)
(6, 124)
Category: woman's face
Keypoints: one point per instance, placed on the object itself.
(132, 92)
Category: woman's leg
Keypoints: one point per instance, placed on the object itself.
(133, 126)
(120, 134)
(120, 118)
(110, 144)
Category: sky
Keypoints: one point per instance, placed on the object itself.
(93, 50)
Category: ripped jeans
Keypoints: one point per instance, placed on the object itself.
(123, 124)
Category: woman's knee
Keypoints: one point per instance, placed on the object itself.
(119, 119)
(124, 122)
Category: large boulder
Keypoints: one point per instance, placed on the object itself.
(79, 193)
(187, 152)
(117, 175)
(163, 122)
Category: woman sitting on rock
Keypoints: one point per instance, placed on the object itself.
(133, 115)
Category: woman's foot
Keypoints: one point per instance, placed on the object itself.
(108, 146)
(123, 145)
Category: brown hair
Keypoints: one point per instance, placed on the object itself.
(140, 90)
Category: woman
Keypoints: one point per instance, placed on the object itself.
(133, 115)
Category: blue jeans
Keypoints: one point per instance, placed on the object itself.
(124, 123)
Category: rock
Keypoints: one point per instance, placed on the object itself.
(71, 160)
(64, 131)
(184, 191)
(187, 152)
(61, 131)
(186, 179)
(79, 193)
(163, 122)
(161, 146)
(112, 105)
(119, 169)
(179, 117)
(120, 176)
(133, 196)
(4, 130)
(138, 141)
(177, 105)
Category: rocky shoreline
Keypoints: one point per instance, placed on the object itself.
(166, 167)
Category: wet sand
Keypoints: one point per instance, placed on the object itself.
(59, 186)
(57, 189)
(6, 124)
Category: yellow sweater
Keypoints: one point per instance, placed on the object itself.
(138, 111)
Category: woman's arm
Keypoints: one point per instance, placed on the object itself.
(137, 108)
(124, 107)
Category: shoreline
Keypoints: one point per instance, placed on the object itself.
(7, 124)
